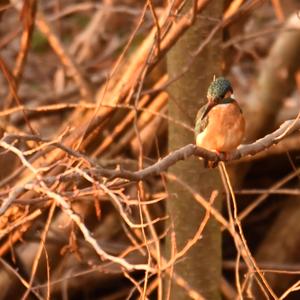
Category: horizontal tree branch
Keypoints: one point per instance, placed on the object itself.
(183, 153)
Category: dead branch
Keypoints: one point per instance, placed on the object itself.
(110, 216)
(191, 149)
(181, 154)
(81, 80)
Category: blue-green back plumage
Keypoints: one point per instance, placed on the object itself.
(201, 120)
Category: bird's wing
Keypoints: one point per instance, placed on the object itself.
(201, 119)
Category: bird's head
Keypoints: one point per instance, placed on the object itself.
(219, 89)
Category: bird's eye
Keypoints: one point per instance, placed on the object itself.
(228, 94)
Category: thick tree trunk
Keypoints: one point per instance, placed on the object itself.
(201, 267)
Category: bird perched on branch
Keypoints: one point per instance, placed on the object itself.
(220, 125)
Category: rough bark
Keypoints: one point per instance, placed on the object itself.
(201, 267)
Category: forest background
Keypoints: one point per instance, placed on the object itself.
(103, 194)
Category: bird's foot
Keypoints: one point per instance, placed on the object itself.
(219, 154)
(213, 163)
(224, 156)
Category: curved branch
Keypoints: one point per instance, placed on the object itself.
(182, 153)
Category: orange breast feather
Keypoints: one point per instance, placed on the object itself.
(225, 129)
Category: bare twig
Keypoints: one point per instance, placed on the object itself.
(28, 17)
(83, 83)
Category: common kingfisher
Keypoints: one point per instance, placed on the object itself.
(220, 125)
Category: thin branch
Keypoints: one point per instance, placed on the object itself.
(13, 91)
(156, 22)
(41, 188)
(40, 250)
(27, 16)
(83, 83)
